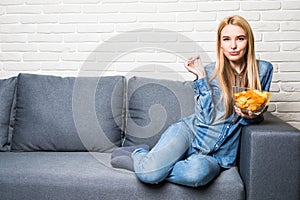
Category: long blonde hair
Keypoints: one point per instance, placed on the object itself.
(224, 71)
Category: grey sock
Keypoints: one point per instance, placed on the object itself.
(126, 151)
(123, 162)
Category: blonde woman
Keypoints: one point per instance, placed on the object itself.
(193, 151)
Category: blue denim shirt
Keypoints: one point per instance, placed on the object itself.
(215, 135)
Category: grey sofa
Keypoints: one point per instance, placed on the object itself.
(57, 134)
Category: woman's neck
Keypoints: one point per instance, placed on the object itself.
(238, 67)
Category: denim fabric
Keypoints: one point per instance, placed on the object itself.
(192, 151)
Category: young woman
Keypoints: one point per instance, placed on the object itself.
(192, 151)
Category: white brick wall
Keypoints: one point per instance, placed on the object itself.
(66, 37)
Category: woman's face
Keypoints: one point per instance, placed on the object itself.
(234, 43)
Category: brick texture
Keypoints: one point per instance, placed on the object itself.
(146, 38)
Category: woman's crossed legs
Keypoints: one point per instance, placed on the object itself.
(173, 158)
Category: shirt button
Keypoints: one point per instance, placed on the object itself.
(227, 126)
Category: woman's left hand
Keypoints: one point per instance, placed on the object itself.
(240, 113)
(250, 115)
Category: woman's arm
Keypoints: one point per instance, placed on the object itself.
(204, 105)
(265, 74)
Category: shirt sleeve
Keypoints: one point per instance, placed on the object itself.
(255, 120)
(266, 75)
(204, 106)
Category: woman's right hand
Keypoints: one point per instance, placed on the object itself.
(195, 66)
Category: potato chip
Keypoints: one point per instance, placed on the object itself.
(251, 100)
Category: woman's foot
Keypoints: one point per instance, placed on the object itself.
(126, 151)
(123, 162)
(121, 157)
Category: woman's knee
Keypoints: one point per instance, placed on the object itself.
(205, 172)
(150, 171)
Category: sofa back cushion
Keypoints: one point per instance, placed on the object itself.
(7, 91)
(68, 114)
(153, 105)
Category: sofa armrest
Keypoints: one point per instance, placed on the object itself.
(270, 160)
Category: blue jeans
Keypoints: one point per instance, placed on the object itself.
(174, 159)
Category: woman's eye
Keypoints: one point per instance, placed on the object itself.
(241, 38)
(225, 39)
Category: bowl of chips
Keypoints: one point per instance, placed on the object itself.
(251, 100)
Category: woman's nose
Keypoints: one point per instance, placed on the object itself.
(233, 44)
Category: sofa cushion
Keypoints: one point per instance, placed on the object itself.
(88, 175)
(68, 114)
(7, 91)
(153, 105)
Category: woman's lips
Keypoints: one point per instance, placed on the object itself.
(234, 53)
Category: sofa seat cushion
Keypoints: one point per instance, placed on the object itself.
(68, 113)
(88, 175)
